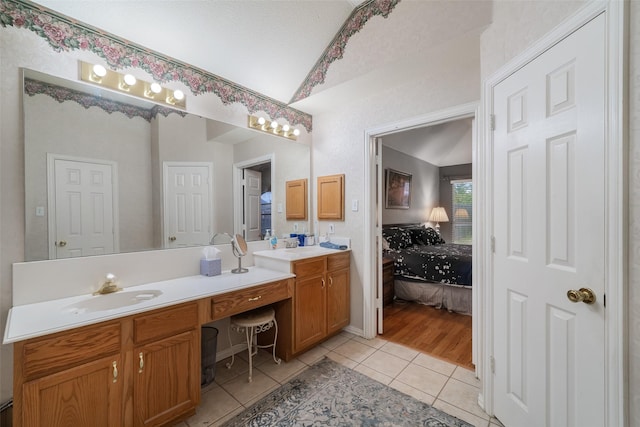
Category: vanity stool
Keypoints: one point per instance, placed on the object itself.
(252, 323)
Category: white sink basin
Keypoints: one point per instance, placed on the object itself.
(112, 301)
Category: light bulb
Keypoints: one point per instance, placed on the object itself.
(99, 70)
(261, 121)
(274, 124)
(296, 132)
(178, 94)
(285, 128)
(129, 79)
(155, 88)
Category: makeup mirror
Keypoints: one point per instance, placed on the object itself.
(239, 246)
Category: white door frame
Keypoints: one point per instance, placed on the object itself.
(51, 197)
(165, 175)
(373, 232)
(237, 187)
(616, 196)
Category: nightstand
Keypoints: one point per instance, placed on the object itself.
(387, 281)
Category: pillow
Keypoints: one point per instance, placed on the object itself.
(397, 238)
(426, 236)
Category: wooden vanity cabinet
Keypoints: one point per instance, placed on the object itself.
(70, 378)
(166, 361)
(321, 300)
(141, 370)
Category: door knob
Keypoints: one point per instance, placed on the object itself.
(584, 295)
(172, 238)
(62, 243)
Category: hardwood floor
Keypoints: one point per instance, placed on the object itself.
(439, 333)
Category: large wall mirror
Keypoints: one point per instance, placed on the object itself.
(107, 173)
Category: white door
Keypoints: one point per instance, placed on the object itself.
(379, 301)
(252, 192)
(83, 209)
(549, 205)
(187, 205)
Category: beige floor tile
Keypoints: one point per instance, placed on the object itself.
(385, 363)
(413, 392)
(354, 350)
(214, 404)
(314, 355)
(224, 419)
(338, 358)
(423, 379)
(463, 396)
(334, 342)
(372, 373)
(401, 351)
(472, 419)
(426, 361)
(262, 356)
(243, 391)
(284, 371)
(374, 342)
(223, 374)
(466, 376)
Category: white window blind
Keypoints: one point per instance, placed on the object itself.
(462, 196)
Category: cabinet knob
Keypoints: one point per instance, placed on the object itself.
(141, 357)
(115, 371)
(323, 282)
(330, 281)
(255, 298)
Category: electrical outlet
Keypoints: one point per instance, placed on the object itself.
(332, 228)
(295, 227)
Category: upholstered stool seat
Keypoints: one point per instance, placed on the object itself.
(252, 323)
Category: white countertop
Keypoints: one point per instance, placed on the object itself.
(34, 320)
(294, 254)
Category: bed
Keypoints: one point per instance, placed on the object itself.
(427, 269)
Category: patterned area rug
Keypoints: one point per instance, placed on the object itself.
(329, 394)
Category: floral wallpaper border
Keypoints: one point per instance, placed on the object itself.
(65, 34)
(62, 94)
(335, 50)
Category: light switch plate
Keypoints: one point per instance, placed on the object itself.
(295, 227)
(354, 205)
(40, 211)
(332, 228)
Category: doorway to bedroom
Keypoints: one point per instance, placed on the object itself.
(423, 216)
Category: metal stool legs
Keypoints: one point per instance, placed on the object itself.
(251, 334)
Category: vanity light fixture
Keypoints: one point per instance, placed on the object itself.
(273, 127)
(127, 83)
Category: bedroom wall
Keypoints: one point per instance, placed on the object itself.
(446, 174)
(424, 187)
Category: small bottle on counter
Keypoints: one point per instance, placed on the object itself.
(274, 241)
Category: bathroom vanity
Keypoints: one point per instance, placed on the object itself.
(132, 358)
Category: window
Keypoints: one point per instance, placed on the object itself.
(462, 191)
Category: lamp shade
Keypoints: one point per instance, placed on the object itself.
(461, 214)
(438, 215)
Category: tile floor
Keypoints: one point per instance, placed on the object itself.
(448, 387)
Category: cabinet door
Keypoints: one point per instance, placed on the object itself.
(296, 197)
(331, 197)
(166, 379)
(310, 311)
(86, 395)
(338, 305)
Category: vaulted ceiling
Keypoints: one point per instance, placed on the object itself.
(271, 46)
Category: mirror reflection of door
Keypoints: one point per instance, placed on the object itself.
(252, 192)
(82, 207)
(187, 204)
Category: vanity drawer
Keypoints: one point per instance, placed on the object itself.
(338, 261)
(164, 323)
(235, 302)
(309, 267)
(67, 349)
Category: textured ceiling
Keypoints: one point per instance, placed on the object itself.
(270, 46)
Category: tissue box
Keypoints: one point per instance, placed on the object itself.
(210, 267)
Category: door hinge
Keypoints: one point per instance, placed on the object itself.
(492, 362)
(493, 244)
(492, 120)
(377, 159)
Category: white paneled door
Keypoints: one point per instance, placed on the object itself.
(252, 192)
(549, 217)
(187, 204)
(82, 212)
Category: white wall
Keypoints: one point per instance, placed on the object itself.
(425, 187)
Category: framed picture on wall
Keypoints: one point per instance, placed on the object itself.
(398, 189)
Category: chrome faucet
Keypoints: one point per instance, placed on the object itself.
(109, 286)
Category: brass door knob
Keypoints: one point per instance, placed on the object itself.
(62, 243)
(172, 239)
(584, 295)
